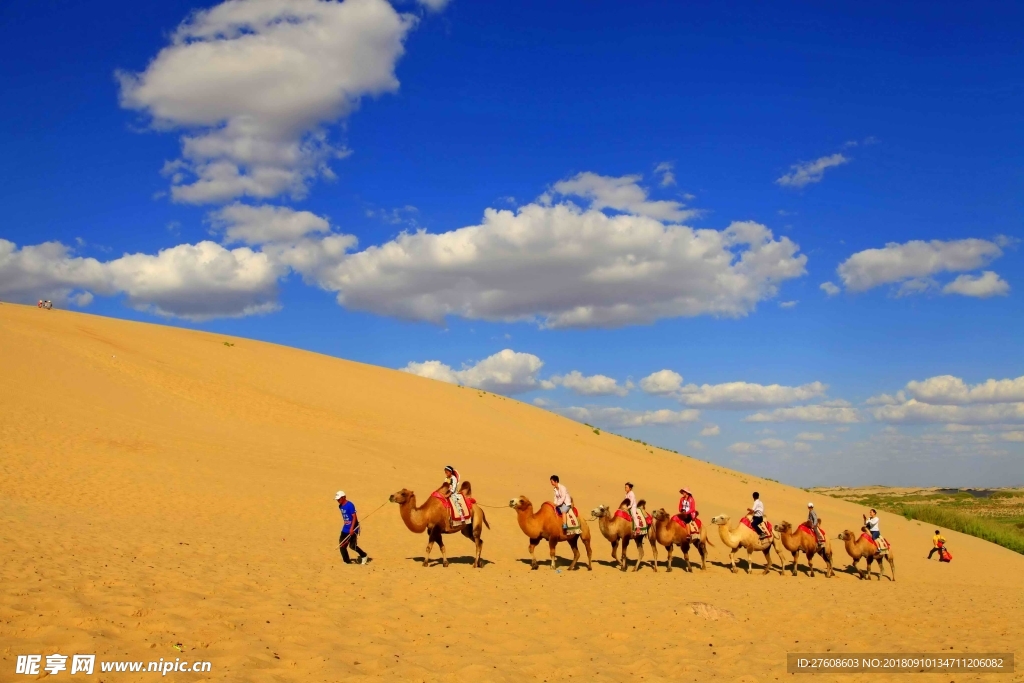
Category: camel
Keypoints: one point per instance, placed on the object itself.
(547, 525)
(671, 534)
(803, 542)
(745, 537)
(617, 529)
(433, 518)
(858, 547)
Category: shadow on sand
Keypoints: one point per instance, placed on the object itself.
(461, 559)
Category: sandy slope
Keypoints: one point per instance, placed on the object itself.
(157, 487)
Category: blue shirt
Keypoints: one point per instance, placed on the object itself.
(348, 513)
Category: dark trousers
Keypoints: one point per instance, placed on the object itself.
(757, 523)
(351, 542)
(933, 551)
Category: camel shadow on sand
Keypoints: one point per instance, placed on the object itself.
(462, 559)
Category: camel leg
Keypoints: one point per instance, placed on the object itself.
(534, 542)
(748, 560)
(668, 562)
(430, 546)
(892, 566)
(444, 553)
(794, 562)
(702, 549)
(732, 560)
(686, 557)
(574, 543)
(615, 551)
(654, 550)
(640, 553)
(590, 555)
(478, 541)
(554, 558)
(623, 560)
(768, 564)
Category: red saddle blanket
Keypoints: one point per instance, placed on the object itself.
(622, 514)
(810, 532)
(745, 521)
(867, 537)
(448, 503)
(675, 518)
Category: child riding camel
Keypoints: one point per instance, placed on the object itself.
(459, 512)
(639, 523)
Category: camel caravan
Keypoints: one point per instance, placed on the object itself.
(452, 509)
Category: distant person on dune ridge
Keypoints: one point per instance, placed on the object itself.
(938, 541)
(349, 529)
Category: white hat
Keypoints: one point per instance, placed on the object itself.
(810, 505)
(339, 495)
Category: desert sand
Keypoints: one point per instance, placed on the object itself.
(158, 486)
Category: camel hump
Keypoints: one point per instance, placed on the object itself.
(642, 503)
(466, 489)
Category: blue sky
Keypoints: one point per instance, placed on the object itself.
(745, 229)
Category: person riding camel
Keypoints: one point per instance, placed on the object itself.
(688, 511)
(563, 503)
(639, 523)
(872, 525)
(757, 516)
(812, 522)
(458, 504)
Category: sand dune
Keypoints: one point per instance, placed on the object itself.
(158, 487)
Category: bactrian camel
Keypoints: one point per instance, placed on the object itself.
(618, 530)
(858, 546)
(803, 542)
(433, 518)
(671, 533)
(745, 537)
(545, 524)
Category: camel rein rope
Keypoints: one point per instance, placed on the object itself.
(359, 523)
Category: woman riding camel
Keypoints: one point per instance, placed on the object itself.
(563, 501)
(452, 478)
(687, 506)
(634, 513)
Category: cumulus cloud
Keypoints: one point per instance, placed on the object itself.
(912, 265)
(622, 417)
(621, 194)
(662, 382)
(506, 372)
(261, 224)
(254, 85)
(828, 414)
(808, 172)
(665, 170)
(914, 411)
(711, 430)
(829, 288)
(810, 436)
(192, 281)
(980, 286)
(564, 266)
(695, 445)
(592, 385)
(743, 447)
(950, 390)
(730, 395)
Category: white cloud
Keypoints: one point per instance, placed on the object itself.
(506, 372)
(813, 413)
(829, 288)
(981, 286)
(662, 382)
(434, 5)
(913, 263)
(743, 447)
(788, 304)
(916, 411)
(740, 395)
(958, 428)
(566, 267)
(262, 224)
(696, 445)
(622, 417)
(772, 444)
(711, 430)
(621, 194)
(950, 390)
(802, 447)
(193, 281)
(808, 172)
(593, 385)
(664, 169)
(1012, 436)
(810, 436)
(254, 85)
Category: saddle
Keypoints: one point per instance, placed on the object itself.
(641, 529)
(819, 537)
(459, 507)
(881, 545)
(570, 521)
(693, 527)
(768, 527)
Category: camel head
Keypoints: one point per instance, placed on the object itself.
(846, 536)
(660, 514)
(401, 497)
(720, 520)
(520, 503)
(600, 511)
(784, 527)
